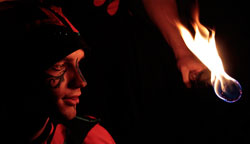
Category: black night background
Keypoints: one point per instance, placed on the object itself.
(135, 87)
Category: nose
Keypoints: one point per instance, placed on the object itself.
(78, 80)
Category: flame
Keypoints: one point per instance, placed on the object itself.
(203, 46)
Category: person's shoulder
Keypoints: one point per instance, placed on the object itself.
(89, 128)
(98, 135)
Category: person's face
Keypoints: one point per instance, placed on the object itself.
(65, 82)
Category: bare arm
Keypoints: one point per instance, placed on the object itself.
(164, 14)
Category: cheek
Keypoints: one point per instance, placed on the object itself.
(58, 93)
(55, 81)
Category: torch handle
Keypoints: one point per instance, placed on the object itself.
(200, 79)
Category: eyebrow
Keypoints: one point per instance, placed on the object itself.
(72, 59)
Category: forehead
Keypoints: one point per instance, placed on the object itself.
(78, 54)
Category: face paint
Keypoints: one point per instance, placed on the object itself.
(79, 71)
(55, 81)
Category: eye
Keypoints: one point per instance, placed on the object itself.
(59, 66)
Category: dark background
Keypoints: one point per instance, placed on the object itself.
(135, 87)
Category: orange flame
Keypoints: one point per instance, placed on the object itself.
(203, 45)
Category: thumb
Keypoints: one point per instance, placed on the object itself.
(185, 76)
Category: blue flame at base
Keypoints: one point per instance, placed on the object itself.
(228, 90)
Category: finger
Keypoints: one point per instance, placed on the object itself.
(185, 76)
(113, 7)
(98, 3)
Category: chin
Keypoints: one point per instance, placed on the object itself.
(65, 111)
(69, 113)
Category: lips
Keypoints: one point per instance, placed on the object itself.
(71, 100)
